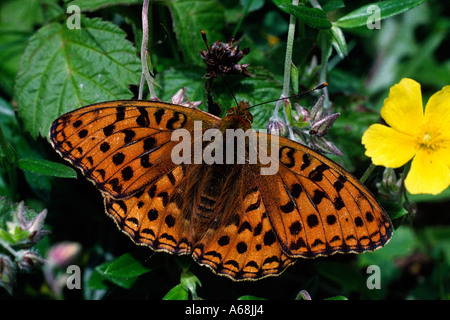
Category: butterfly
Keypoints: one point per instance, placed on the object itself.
(231, 218)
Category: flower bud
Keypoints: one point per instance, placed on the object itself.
(26, 231)
(178, 98)
(27, 260)
(64, 253)
(389, 179)
(317, 110)
(303, 295)
(303, 113)
(323, 145)
(35, 227)
(7, 273)
(320, 127)
(276, 126)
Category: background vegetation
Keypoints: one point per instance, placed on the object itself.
(47, 69)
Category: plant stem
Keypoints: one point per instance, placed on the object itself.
(367, 173)
(402, 191)
(10, 164)
(288, 57)
(325, 46)
(244, 14)
(144, 55)
(315, 4)
(287, 69)
(5, 245)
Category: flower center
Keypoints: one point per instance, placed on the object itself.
(429, 140)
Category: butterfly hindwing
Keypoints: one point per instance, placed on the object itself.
(150, 218)
(245, 247)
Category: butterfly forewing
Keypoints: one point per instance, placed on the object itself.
(122, 146)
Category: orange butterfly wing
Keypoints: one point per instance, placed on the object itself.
(121, 146)
(243, 248)
(317, 208)
(258, 224)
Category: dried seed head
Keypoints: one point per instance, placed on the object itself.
(222, 58)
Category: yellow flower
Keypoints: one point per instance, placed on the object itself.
(414, 134)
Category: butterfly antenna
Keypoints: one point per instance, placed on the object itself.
(205, 39)
(323, 85)
(232, 94)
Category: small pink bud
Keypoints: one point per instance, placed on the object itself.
(303, 113)
(178, 98)
(276, 126)
(64, 253)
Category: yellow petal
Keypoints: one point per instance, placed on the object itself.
(437, 113)
(388, 147)
(444, 153)
(428, 174)
(403, 109)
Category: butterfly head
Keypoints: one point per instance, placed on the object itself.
(240, 114)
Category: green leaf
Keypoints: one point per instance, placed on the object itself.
(338, 41)
(250, 297)
(92, 5)
(332, 5)
(123, 272)
(47, 168)
(294, 78)
(394, 209)
(119, 281)
(257, 89)
(206, 15)
(62, 69)
(177, 293)
(253, 4)
(126, 266)
(313, 17)
(444, 195)
(12, 44)
(336, 298)
(189, 77)
(189, 281)
(387, 9)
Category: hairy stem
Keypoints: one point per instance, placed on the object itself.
(287, 69)
(288, 57)
(145, 56)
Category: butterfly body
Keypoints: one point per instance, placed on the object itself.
(229, 216)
